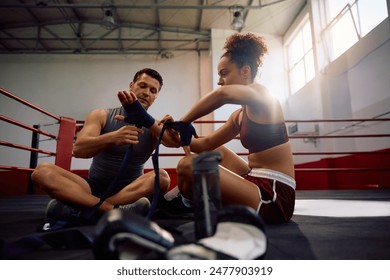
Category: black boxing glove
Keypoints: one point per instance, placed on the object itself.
(136, 114)
(185, 130)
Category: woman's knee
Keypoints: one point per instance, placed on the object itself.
(184, 167)
(184, 176)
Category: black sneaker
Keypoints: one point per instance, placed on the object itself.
(140, 207)
(58, 210)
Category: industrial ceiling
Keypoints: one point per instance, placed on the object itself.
(155, 27)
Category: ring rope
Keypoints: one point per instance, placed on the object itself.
(292, 137)
(12, 121)
(10, 95)
(22, 147)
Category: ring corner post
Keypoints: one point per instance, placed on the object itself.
(65, 140)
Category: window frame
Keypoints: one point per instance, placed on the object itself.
(303, 60)
(351, 10)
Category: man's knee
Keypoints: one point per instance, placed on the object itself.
(41, 172)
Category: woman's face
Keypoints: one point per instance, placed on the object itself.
(229, 73)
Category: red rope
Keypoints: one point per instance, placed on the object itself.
(338, 136)
(300, 153)
(7, 93)
(310, 121)
(339, 120)
(17, 146)
(342, 169)
(6, 167)
(12, 121)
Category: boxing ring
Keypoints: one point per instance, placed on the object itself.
(333, 218)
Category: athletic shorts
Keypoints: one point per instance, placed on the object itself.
(99, 187)
(277, 191)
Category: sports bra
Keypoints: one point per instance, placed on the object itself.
(257, 137)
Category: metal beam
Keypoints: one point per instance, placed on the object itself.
(41, 5)
(98, 22)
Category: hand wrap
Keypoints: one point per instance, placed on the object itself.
(185, 130)
(136, 114)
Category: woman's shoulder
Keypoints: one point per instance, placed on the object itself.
(259, 87)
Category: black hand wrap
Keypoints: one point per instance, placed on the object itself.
(186, 131)
(136, 114)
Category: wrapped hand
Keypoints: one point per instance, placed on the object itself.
(185, 130)
(136, 114)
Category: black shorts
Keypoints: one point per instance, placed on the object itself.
(99, 187)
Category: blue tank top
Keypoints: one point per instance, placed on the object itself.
(105, 165)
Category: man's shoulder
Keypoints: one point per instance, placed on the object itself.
(97, 113)
(116, 110)
(104, 112)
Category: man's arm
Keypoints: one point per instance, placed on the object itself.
(90, 141)
(136, 114)
(170, 138)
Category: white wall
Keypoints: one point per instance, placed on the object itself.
(72, 85)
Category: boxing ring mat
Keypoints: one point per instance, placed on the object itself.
(357, 228)
(339, 224)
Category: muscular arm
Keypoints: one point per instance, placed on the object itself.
(219, 137)
(90, 141)
(230, 94)
(171, 138)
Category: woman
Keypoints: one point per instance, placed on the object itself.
(266, 183)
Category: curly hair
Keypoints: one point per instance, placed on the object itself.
(246, 49)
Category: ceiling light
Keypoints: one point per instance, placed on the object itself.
(166, 55)
(108, 21)
(238, 18)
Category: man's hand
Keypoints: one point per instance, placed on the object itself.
(126, 135)
(171, 136)
(135, 113)
(126, 97)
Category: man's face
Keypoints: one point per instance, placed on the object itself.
(146, 89)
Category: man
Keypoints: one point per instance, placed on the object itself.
(105, 137)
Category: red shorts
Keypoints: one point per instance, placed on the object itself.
(277, 199)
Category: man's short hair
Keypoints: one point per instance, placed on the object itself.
(150, 72)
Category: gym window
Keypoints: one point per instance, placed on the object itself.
(300, 58)
(350, 20)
